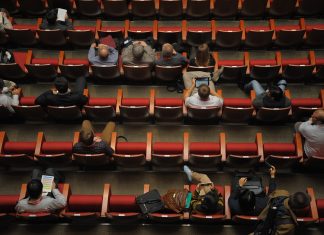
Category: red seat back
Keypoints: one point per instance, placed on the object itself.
(241, 148)
(85, 203)
(57, 147)
(19, 147)
(167, 148)
(131, 148)
(8, 203)
(204, 148)
(123, 203)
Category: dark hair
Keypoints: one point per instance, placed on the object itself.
(34, 189)
(209, 203)
(61, 84)
(167, 50)
(276, 93)
(1, 84)
(138, 51)
(247, 200)
(86, 137)
(299, 200)
(202, 56)
(51, 16)
(203, 91)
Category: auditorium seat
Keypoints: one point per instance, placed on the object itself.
(103, 73)
(88, 8)
(121, 208)
(44, 216)
(258, 34)
(52, 38)
(83, 34)
(237, 110)
(23, 32)
(32, 7)
(233, 63)
(320, 209)
(53, 153)
(138, 73)
(5, 114)
(64, 113)
(317, 57)
(198, 32)
(253, 8)
(140, 29)
(244, 154)
(7, 207)
(114, 28)
(170, 9)
(211, 218)
(18, 154)
(282, 9)
(284, 155)
(28, 110)
(197, 9)
(314, 32)
(206, 155)
(143, 9)
(310, 7)
(74, 64)
(225, 8)
(43, 69)
(169, 31)
(228, 34)
(169, 155)
(15, 71)
(10, 5)
(263, 66)
(131, 155)
(115, 8)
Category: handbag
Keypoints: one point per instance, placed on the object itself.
(150, 202)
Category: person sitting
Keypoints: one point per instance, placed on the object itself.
(243, 201)
(91, 144)
(9, 94)
(138, 53)
(62, 95)
(313, 132)
(274, 97)
(51, 21)
(106, 55)
(35, 201)
(4, 20)
(203, 96)
(201, 57)
(169, 57)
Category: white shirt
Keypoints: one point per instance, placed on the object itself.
(314, 138)
(195, 100)
(6, 100)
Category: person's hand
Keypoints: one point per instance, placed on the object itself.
(53, 185)
(15, 92)
(93, 45)
(193, 82)
(272, 171)
(54, 91)
(97, 139)
(242, 181)
(174, 52)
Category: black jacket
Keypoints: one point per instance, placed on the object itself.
(71, 98)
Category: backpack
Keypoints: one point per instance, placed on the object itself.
(150, 202)
(6, 56)
(275, 217)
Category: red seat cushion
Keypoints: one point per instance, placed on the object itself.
(123, 203)
(204, 148)
(53, 61)
(102, 101)
(76, 61)
(306, 102)
(25, 26)
(83, 27)
(219, 188)
(241, 148)
(169, 28)
(229, 28)
(85, 203)
(199, 29)
(263, 62)
(8, 203)
(238, 102)
(172, 102)
(20, 58)
(167, 148)
(314, 26)
(113, 28)
(257, 28)
(295, 61)
(281, 149)
(136, 101)
(56, 147)
(231, 62)
(319, 61)
(320, 207)
(131, 148)
(141, 28)
(287, 27)
(27, 100)
(19, 147)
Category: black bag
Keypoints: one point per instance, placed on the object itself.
(150, 202)
(6, 56)
(254, 182)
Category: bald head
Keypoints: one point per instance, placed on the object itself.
(318, 116)
(103, 51)
(167, 50)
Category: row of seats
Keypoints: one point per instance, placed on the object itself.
(159, 155)
(122, 208)
(294, 66)
(222, 34)
(152, 108)
(173, 9)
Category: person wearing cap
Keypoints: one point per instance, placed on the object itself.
(62, 95)
(169, 57)
(36, 201)
(138, 53)
(9, 94)
(91, 144)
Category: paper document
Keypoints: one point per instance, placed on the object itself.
(47, 181)
(61, 14)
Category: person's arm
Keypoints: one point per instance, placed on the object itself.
(188, 92)
(214, 93)
(272, 182)
(236, 191)
(305, 128)
(113, 54)
(58, 202)
(258, 102)
(92, 53)
(42, 99)
(6, 23)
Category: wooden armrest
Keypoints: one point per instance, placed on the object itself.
(268, 4)
(66, 193)
(312, 57)
(302, 23)
(157, 5)
(184, 110)
(119, 100)
(3, 138)
(213, 27)
(146, 188)
(299, 144)
(149, 139)
(184, 4)
(39, 22)
(155, 29)
(287, 94)
(242, 27)
(98, 27)
(321, 96)
(247, 62)
(61, 57)
(39, 143)
(222, 142)
(252, 94)
(86, 92)
(113, 141)
(184, 30)
(152, 102)
(76, 137)
(105, 200)
(259, 142)
(23, 191)
(127, 26)
(313, 207)
(273, 27)
(29, 57)
(227, 208)
(279, 60)
(216, 57)
(185, 147)
(220, 92)
(239, 5)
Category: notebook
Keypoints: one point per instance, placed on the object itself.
(61, 14)
(47, 181)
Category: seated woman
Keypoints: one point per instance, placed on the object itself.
(202, 57)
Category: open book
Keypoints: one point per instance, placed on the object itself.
(61, 14)
(47, 181)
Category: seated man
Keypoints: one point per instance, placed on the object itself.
(62, 95)
(243, 201)
(51, 21)
(138, 53)
(35, 201)
(203, 96)
(106, 55)
(313, 132)
(274, 97)
(169, 57)
(91, 144)
(9, 94)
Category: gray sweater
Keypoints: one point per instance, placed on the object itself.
(47, 203)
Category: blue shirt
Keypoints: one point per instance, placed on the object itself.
(111, 59)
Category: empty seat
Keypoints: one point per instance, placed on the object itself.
(32, 7)
(23, 34)
(314, 32)
(233, 64)
(289, 33)
(143, 8)
(140, 30)
(253, 8)
(7, 207)
(52, 38)
(310, 7)
(168, 109)
(137, 73)
(198, 9)
(90, 8)
(10, 5)
(115, 8)
(258, 35)
(228, 34)
(169, 31)
(170, 9)
(74, 67)
(82, 35)
(101, 109)
(135, 109)
(237, 110)
(15, 71)
(198, 32)
(28, 110)
(225, 8)
(282, 8)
